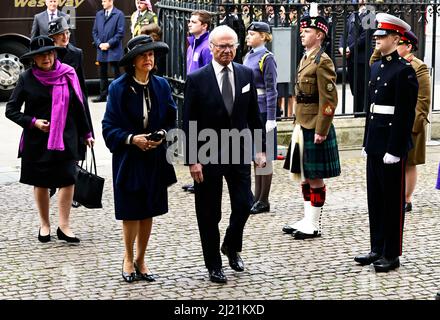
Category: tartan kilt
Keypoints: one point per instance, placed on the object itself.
(320, 160)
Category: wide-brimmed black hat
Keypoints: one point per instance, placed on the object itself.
(317, 22)
(39, 45)
(57, 25)
(141, 44)
(259, 26)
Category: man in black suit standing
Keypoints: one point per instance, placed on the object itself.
(357, 37)
(42, 19)
(221, 102)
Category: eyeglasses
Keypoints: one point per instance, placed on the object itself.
(223, 47)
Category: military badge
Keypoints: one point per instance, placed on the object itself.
(313, 22)
(379, 25)
(329, 86)
(389, 58)
(328, 110)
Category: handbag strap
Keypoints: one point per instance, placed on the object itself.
(93, 161)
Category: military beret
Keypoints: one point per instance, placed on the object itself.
(259, 27)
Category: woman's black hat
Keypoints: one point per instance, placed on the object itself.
(141, 44)
(39, 45)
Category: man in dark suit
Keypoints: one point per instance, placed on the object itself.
(221, 98)
(42, 19)
(357, 37)
(108, 33)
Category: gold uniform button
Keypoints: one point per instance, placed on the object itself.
(385, 84)
(381, 65)
(378, 78)
(375, 91)
(371, 117)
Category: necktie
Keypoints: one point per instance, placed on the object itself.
(51, 16)
(139, 17)
(106, 14)
(227, 91)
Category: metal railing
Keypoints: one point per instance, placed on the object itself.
(421, 15)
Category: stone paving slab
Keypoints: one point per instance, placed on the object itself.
(277, 266)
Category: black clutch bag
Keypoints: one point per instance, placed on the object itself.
(88, 186)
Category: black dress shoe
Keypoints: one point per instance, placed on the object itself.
(45, 238)
(367, 259)
(385, 265)
(217, 276)
(144, 276)
(298, 235)
(64, 237)
(128, 276)
(190, 189)
(260, 207)
(76, 204)
(437, 296)
(186, 186)
(234, 258)
(100, 99)
(288, 229)
(408, 206)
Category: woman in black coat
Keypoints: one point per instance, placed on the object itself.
(54, 126)
(140, 110)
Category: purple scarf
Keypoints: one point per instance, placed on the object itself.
(59, 79)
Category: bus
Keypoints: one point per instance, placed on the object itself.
(16, 17)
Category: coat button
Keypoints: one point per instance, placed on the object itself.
(378, 78)
(385, 84)
(381, 65)
(371, 118)
(390, 124)
(375, 91)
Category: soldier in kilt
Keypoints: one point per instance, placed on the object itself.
(313, 151)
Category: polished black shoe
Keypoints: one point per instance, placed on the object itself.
(234, 258)
(408, 206)
(64, 237)
(144, 276)
(385, 265)
(190, 189)
(100, 99)
(437, 296)
(76, 204)
(288, 229)
(217, 276)
(367, 259)
(186, 186)
(45, 238)
(260, 207)
(298, 235)
(128, 276)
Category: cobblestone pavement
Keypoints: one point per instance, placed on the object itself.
(277, 266)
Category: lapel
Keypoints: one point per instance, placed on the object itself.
(237, 77)
(309, 59)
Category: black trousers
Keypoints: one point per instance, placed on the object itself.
(360, 82)
(208, 200)
(103, 75)
(386, 204)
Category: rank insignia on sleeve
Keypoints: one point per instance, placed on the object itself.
(328, 110)
(329, 86)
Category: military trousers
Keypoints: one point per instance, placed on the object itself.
(386, 204)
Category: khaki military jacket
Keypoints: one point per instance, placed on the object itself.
(317, 82)
(136, 25)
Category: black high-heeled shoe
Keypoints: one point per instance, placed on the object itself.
(144, 276)
(41, 238)
(62, 236)
(128, 276)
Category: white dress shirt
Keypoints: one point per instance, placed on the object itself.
(55, 14)
(218, 70)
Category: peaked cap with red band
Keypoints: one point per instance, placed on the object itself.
(387, 24)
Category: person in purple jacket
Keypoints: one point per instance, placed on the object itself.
(264, 67)
(198, 53)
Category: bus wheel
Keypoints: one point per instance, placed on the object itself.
(10, 66)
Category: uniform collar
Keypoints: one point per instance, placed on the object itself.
(391, 57)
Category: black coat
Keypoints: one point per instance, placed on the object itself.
(37, 100)
(204, 104)
(393, 82)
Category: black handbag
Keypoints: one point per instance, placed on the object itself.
(88, 186)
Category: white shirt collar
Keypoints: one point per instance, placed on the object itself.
(55, 13)
(219, 68)
(260, 48)
(109, 11)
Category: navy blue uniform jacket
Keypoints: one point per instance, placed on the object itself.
(393, 82)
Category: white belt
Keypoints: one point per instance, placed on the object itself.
(382, 109)
(261, 92)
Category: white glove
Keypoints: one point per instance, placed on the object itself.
(270, 125)
(389, 159)
(363, 152)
